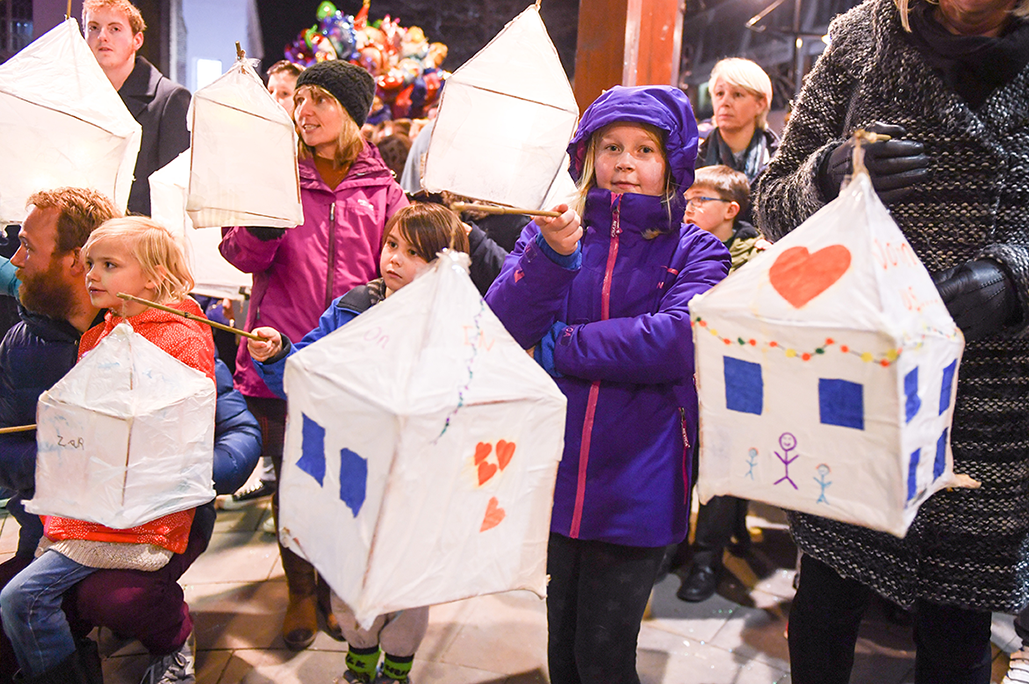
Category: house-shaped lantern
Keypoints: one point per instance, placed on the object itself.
(214, 276)
(421, 452)
(243, 167)
(505, 119)
(62, 124)
(125, 437)
(827, 371)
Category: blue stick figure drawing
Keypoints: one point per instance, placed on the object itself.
(788, 442)
(752, 454)
(823, 470)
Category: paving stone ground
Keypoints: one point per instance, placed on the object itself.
(237, 594)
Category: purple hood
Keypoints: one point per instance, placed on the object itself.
(665, 107)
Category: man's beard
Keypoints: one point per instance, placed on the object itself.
(47, 293)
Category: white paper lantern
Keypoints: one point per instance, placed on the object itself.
(125, 437)
(62, 124)
(504, 120)
(421, 452)
(243, 169)
(827, 371)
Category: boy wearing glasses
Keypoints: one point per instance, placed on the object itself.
(716, 201)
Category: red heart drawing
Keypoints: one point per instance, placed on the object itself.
(800, 276)
(494, 515)
(486, 471)
(482, 450)
(505, 450)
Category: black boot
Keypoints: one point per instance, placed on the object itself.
(702, 579)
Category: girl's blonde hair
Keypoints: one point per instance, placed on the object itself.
(743, 73)
(1021, 10)
(588, 177)
(350, 141)
(430, 228)
(155, 249)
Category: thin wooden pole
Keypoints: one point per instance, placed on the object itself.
(490, 209)
(192, 317)
(17, 428)
(67, 15)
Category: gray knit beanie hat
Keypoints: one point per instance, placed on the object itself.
(352, 85)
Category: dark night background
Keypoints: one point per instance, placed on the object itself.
(465, 26)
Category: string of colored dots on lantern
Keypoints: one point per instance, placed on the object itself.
(477, 321)
(883, 360)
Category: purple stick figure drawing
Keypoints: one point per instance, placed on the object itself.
(788, 442)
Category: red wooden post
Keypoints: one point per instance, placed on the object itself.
(626, 42)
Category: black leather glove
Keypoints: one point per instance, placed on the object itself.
(266, 234)
(979, 296)
(894, 165)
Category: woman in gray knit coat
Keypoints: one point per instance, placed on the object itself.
(949, 82)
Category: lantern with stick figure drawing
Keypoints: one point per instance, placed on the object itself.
(829, 360)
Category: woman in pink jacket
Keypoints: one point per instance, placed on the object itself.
(348, 194)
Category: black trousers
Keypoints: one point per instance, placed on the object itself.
(952, 644)
(595, 603)
(717, 521)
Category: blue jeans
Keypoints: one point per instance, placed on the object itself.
(30, 606)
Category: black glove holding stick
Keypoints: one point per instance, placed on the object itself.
(265, 234)
(894, 165)
(980, 297)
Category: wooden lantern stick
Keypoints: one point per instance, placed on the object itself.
(490, 209)
(192, 317)
(240, 52)
(67, 15)
(17, 428)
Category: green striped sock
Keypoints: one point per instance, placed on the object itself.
(397, 667)
(363, 661)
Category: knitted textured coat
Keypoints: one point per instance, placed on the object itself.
(966, 547)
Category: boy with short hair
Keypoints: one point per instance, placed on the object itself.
(282, 82)
(715, 202)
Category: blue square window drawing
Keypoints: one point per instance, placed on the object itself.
(744, 386)
(940, 464)
(912, 401)
(312, 449)
(913, 473)
(948, 385)
(842, 403)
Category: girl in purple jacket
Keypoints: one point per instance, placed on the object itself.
(347, 194)
(604, 301)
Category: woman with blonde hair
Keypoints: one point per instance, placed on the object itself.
(741, 93)
(348, 195)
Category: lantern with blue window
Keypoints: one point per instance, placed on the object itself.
(827, 371)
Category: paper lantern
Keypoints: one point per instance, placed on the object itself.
(213, 275)
(421, 452)
(504, 120)
(243, 168)
(827, 370)
(62, 124)
(125, 437)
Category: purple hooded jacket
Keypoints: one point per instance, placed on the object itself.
(619, 328)
(337, 248)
